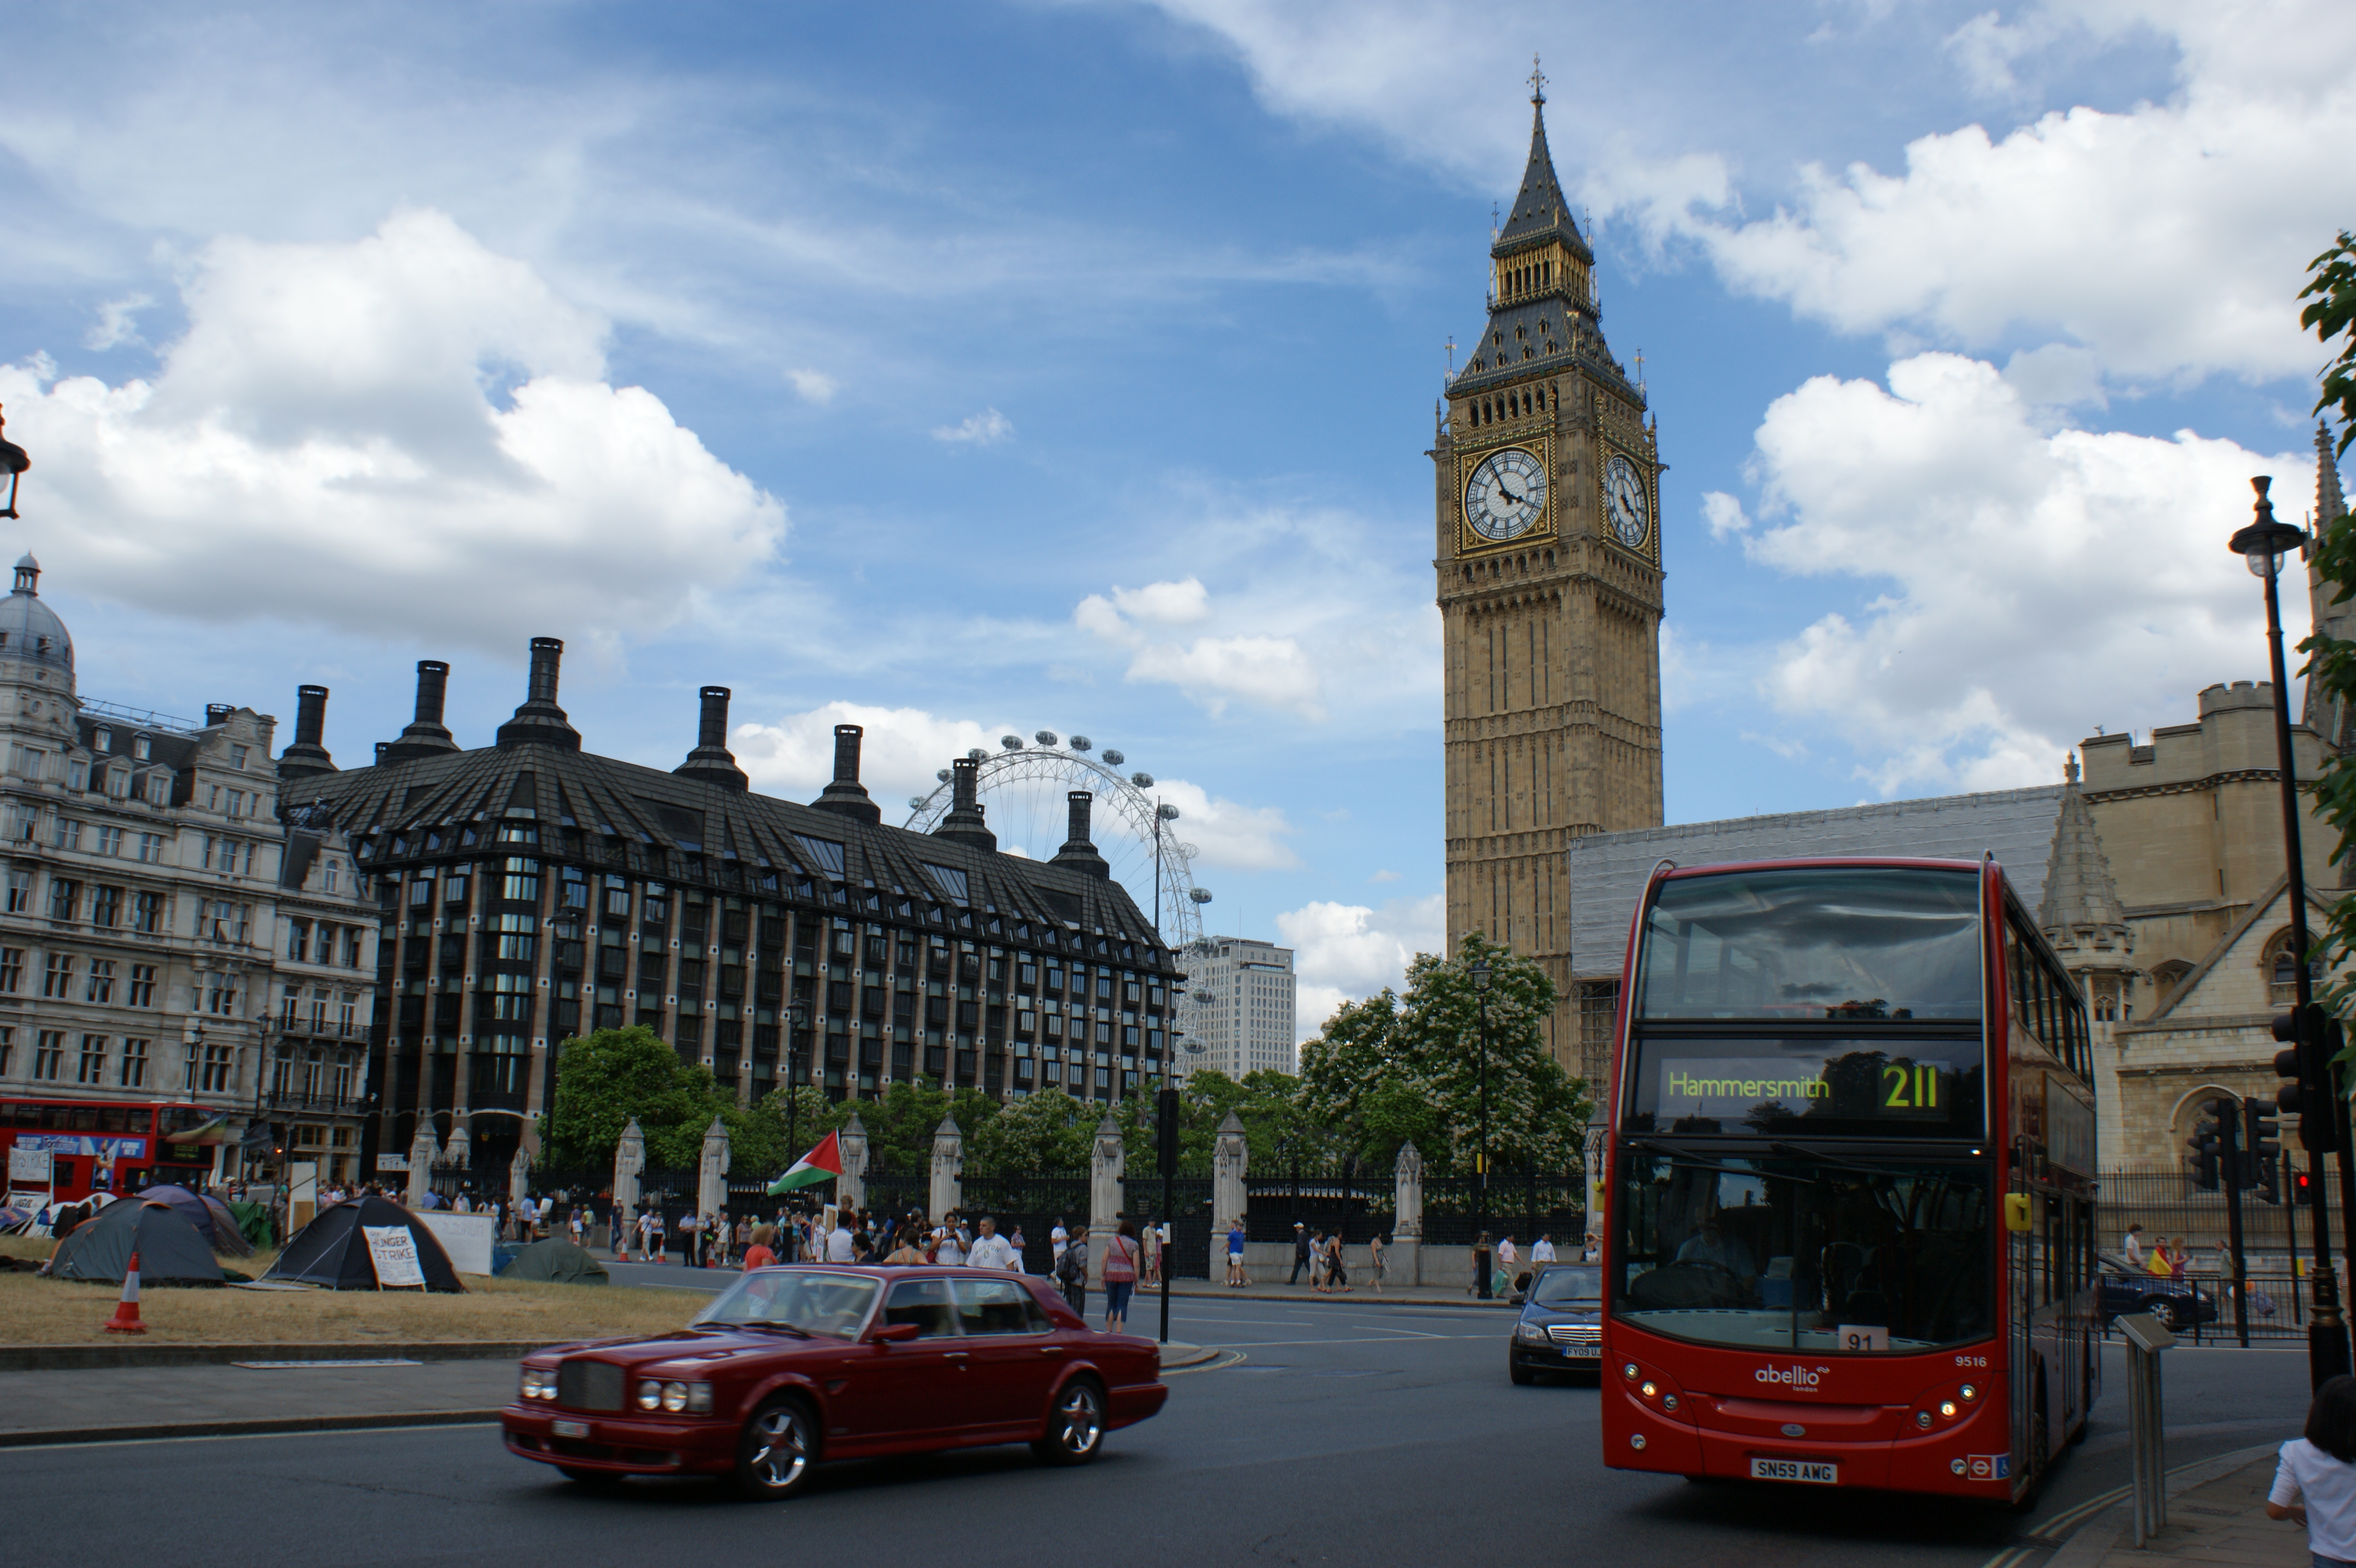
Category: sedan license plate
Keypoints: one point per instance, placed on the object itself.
(570, 1428)
(1592, 1352)
(1813, 1471)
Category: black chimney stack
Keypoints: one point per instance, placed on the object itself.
(846, 794)
(1079, 852)
(712, 762)
(964, 824)
(307, 757)
(425, 736)
(540, 722)
(217, 714)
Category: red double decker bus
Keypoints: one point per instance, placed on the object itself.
(115, 1146)
(1851, 1213)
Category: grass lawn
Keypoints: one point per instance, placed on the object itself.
(38, 1311)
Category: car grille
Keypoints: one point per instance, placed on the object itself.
(589, 1385)
(1575, 1333)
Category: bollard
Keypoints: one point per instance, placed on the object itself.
(126, 1311)
(2146, 1339)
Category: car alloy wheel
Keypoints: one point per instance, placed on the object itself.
(2163, 1312)
(774, 1457)
(1076, 1431)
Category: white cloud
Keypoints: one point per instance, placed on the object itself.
(118, 322)
(1723, 513)
(813, 386)
(1348, 951)
(901, 751)
(1238, 837)
(984, 429)
(2030, 584)
(2170, 239)
(1384, 877)
(1272, 672)
(329, 442)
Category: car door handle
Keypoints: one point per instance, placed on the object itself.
(953, 1356)
(1051, 1350)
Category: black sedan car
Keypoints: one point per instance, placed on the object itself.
(1561, 1326)
(2177, 1304)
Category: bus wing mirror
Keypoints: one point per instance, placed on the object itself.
(2020, 1211)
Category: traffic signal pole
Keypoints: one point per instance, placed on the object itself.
(2235, 1163)
(2327, 1334)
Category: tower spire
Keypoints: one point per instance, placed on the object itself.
(2328, 715)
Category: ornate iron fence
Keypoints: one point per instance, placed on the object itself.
(1190, 1218)
(1524, 1205)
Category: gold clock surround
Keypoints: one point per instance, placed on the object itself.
(1469, 542)
(1649, 472)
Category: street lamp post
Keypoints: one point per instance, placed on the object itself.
(1481, 1178)
(13, 462)
(2264, 545)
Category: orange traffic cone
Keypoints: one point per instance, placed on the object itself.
(126, 1312)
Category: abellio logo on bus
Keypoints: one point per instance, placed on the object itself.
(1804, 1380)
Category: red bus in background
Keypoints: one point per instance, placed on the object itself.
(1850, 1212)
(115, 1146)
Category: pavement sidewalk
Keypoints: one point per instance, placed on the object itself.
(137, 1403)
(2219, 1516)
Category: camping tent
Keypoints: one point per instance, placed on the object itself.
(332, 1250)
(559, 1261)
(210, 1216)
(171, 1251)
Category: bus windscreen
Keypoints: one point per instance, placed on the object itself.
(1843, 942)
(1804, 1255)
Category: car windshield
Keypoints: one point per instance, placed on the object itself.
(811, 1300)
(1845, 942)
(1804, 1255)
(1569, 1287)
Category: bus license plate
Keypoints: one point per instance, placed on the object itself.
(570, 1428)
(1810, 1470)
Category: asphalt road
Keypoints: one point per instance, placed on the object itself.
(1348, 1433)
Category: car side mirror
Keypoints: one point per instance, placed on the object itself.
(1516, 1299)
(896, 1333)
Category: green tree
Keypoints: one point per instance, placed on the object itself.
(1049, 1130)
(1390, 1070)
(603, 1079)
(2331, 286)
(901, 1124)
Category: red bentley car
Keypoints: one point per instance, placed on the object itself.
(790, 1366)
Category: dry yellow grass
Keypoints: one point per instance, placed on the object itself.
(38, 1311)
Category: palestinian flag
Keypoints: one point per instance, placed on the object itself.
(821, 1164)
(215, 1131)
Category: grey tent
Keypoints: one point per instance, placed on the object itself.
(559, 1261)
(209, 1215)
(171, 1251)
(332, 1250)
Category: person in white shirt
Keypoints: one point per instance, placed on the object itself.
(2132, 1246)
(951, 1243)
(2315, 1482)
(838, 1247)
(991, 1251)
(1057, 1240)
(1542, 1251)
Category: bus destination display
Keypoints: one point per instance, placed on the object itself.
(1859, 1086)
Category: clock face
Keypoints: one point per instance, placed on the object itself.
(1624, 501)
(1507, 496)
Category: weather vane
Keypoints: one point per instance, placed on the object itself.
(1538, 81)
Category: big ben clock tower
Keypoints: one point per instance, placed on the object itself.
(1549, 579)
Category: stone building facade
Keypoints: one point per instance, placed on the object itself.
(145, 865)
(1547, 560)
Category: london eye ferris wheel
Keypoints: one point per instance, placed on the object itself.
(1025, 785)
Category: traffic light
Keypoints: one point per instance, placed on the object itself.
(2208, 1142)
(2262, 1150)
(2314, 1038)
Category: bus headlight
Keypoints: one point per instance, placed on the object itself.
(1923, 1419)
(1649, 1389)
(1970, 1394)
(1948, 1408)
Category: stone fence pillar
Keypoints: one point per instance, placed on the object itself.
(949, 1167)
(1230, 1162)
(424, 1151)
(629, 1160)
(711, 1170)
(851, 1187)
(1407, 1230)
(1106, 1162)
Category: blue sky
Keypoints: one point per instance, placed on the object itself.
(970, 369)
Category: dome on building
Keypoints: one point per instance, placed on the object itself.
(29, 629)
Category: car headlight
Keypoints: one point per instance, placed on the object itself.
(1532, 1333)
(650, 1395)
(674, 1396)
(539, 1383)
